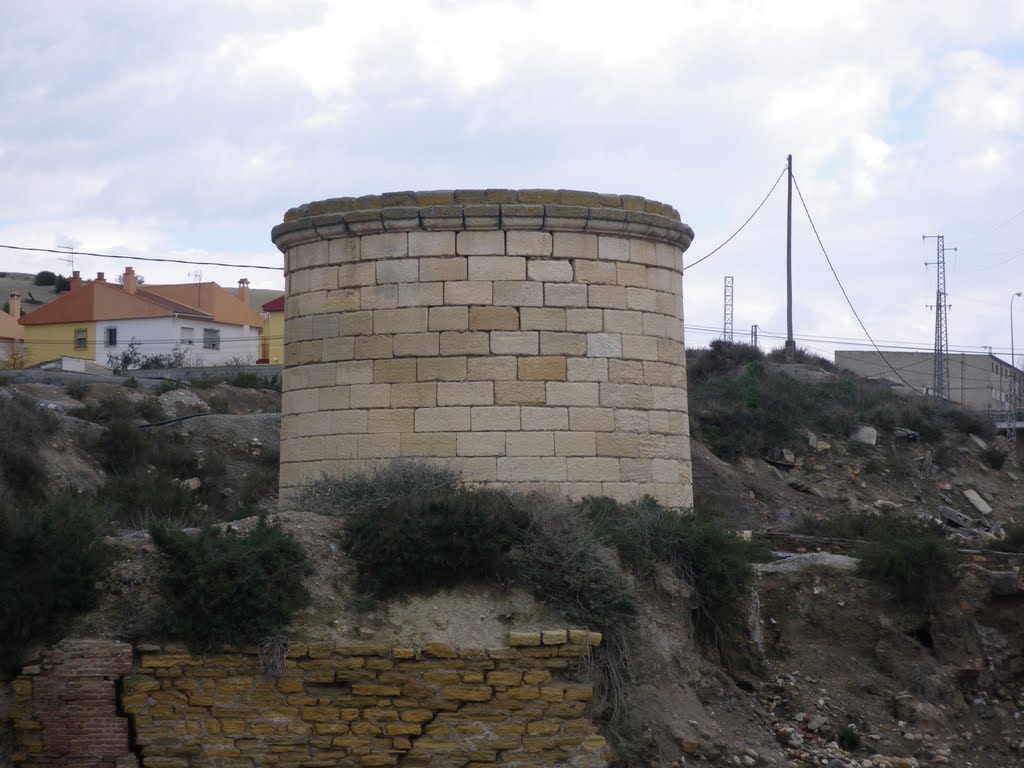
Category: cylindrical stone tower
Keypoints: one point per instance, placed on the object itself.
(526, 337)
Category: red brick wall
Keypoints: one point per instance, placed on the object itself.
(65, 708)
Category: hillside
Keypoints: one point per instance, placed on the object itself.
(830, 667)
(32, 295)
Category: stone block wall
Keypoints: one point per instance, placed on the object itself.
(328, 705)
(524, 337)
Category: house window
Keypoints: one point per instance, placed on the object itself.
(211, 338)
(81, 338)
(188, 336)
(111, 337)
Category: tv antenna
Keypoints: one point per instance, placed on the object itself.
(70, 258)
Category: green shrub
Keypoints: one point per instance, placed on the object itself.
(920, 569)
(1014, 541)
(433, 541)
(848, 738)
(78, 390)
(50, 559)
(376, 490)
(131, 383)
(168, 386)
(994, 457)
(219, 588)
(46, 277)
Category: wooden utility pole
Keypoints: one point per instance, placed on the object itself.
(790, 344)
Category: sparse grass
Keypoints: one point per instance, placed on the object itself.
(26, 426)
(221, 588)
(802, 357)
(114, 408)
(714, 561)
(741, 407)
(168, 386)
(867, 526)
(909, 555)
(376, 490)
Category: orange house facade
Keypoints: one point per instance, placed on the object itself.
(96, 320)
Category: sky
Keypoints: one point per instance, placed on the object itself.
(186, 130)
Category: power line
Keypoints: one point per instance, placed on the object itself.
(841, 288)
(720, 247)
(139, 258)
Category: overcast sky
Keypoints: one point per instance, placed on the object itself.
(185, 129)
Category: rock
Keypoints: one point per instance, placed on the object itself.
(888, 506)
(977, 502)
(822, 447)
(865, 435)
(812, 440)
(816, 723)
(905, 434)
(192, 484)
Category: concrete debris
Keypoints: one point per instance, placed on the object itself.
(978, 442)
(977, 502)
(800, 562)
(955, 518)
(905, 434)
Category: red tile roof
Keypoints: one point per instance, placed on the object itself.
(275, 305)
(97, 300)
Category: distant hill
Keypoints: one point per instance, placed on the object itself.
(32, 296)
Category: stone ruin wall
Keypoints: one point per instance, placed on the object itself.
(90, 704)
(531, 338)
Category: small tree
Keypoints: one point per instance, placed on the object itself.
(46, 277)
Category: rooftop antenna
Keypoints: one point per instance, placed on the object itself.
(70, 258)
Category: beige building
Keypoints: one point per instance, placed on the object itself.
(979, 382)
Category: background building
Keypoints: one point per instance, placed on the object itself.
(980, 382)
(202, 322)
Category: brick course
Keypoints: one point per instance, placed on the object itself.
(443, 316)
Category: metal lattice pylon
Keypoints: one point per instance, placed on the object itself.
(940, 371)
(727, 319)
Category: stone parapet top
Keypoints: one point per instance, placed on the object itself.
(458, 210)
